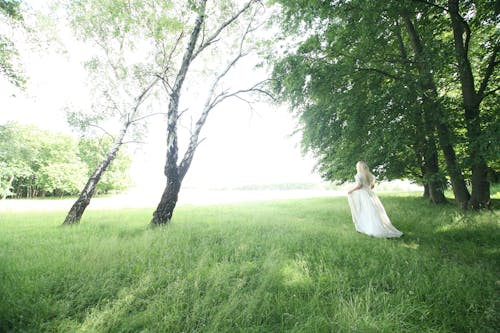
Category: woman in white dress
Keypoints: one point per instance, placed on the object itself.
(368, 213)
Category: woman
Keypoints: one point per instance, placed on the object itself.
(368, 214)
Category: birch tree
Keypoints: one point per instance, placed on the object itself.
(130, 38)
(203, 35)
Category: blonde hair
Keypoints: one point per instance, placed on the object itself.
(364, 170)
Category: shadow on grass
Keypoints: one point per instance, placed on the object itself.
(445, 226)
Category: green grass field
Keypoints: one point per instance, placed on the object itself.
(283, 266)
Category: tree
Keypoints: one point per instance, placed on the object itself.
(14, 158)
(59, 171)
(122, 72)
(10, 15)
(389, 64)
(435, 112)
(200, 38)
(356, 71)
(93, 150)
(481, 17)
(35, 163)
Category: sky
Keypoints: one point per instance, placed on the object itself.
(241, 146)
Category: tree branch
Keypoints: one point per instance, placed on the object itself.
(211, 39)
(255, 88)
(109, 98)
(448, 10)
(467, 33)
(490, 92)
(210, 102)
(402, 48)
(249, 103)
(181, 113)
(435, 5)
(379, 71)
(166, 85)
(140, 99)
(132, 141)
(487, 75)
(102, 129)
(163, 75)
(147, 116)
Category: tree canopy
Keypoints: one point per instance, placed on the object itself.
(377, 81)
(36, 162)
(10, 15)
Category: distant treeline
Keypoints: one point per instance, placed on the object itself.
(39, 163)
(287, 187)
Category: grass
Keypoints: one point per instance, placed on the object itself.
(283, 266)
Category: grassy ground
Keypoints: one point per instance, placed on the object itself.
(284, 266)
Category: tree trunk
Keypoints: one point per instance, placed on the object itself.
(7, 188)
(173, 171)
(426, 191)
(426, 149)
(75, 213)
(460, 190)
(436, 116)
(480, 196)
(168, 201)
(164, 211)
(433, 177)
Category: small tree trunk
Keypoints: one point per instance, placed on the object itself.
(165, 210)
(7, 188)
(434, 179)
(76, 212)
(431, 163)
(426, 149)
(460, 190)
(433, 182)
(480, 187)
(426, 191)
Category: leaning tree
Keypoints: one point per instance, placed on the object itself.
(133, 44)
(214, 23)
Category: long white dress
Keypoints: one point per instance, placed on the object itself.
(368, 213)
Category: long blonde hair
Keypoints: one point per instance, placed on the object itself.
(364, 171)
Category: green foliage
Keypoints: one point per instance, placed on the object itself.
(10, 14)
(34, 162)
(57, 168)
(348, 70)
(352, 103)
(10, 8)
(41, 163)
(295, 266)
(130, 42)
(93, 151)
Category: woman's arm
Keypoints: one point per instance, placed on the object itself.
(355, 188)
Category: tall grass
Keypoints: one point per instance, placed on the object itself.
(283, 266)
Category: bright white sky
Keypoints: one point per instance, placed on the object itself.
(241, 147)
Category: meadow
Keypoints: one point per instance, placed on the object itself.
(277, 266)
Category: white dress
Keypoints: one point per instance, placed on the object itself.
(368, 213)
